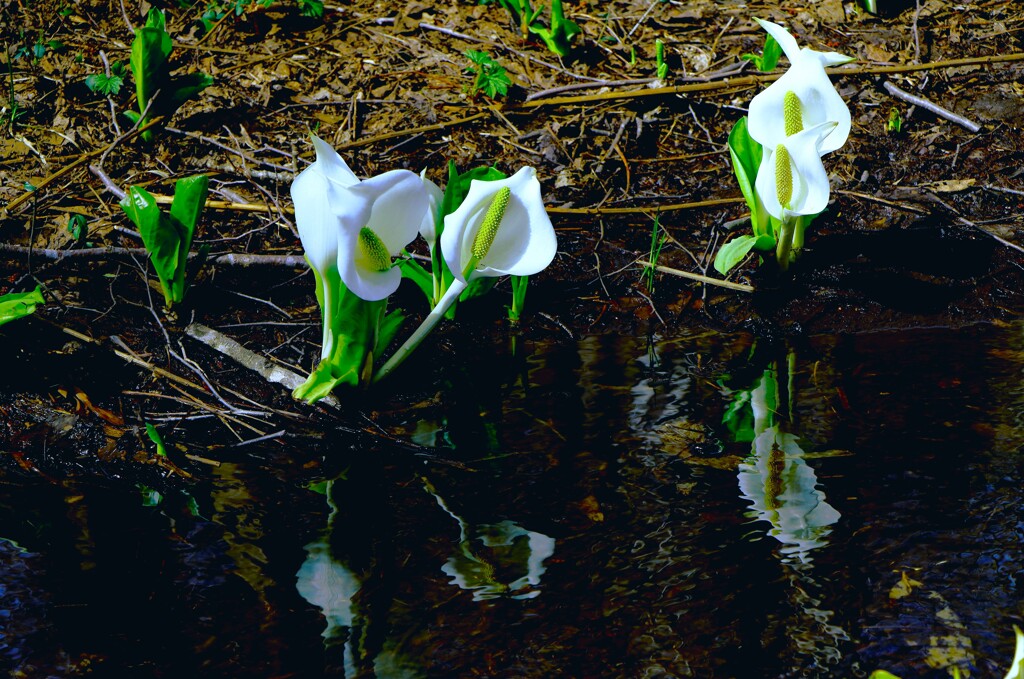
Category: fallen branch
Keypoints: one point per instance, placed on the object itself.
(262, 366)
(929, 106)
(700, 278)
(751, 80)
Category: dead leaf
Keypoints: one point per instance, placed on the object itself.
(592, 509)
(950, 185)
(904, 587)
(831, 11)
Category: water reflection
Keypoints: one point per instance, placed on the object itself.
(347, 575)
(776, 480)
(490, 556)
(782, 490)
(685, 547)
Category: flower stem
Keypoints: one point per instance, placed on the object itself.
(785, 246)
(433, 318)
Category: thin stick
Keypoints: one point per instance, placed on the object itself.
(751, 80)
(642, 210)
(929, 106)
(699, 278)
(229, 259)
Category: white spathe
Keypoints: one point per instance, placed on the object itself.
(332, 205)
(525, 241)
(435, 196)
(810, 188)
(806, 78)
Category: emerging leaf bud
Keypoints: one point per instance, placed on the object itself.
(783, 175)
(792, 113)
(373, 250)
(492, 220)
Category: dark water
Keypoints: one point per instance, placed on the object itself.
(599, 520)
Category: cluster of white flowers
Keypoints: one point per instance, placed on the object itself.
(352, 230)
(360, 226)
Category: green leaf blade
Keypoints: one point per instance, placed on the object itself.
(17, 305)
(733, 252)
(159, 235)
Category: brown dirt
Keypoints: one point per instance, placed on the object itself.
(908, 240)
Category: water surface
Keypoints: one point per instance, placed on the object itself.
(708, 506)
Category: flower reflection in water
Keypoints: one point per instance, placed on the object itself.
(781, 488)
(783, 491)
(349, 594)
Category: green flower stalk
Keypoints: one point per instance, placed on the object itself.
(501, 228)
(351, 230)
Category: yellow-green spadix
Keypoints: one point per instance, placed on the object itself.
(519, 237)
(791, 180)
(804, 90)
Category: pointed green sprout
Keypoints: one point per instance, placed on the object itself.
(168, 237)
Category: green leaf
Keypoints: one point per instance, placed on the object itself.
(183, 88)
(412, 271)
(478, 57)
(478, 288)
(189, 201)
(155, 437)
(311, 8)
(388, 329)
(746, 154)
(155, 19)
(882, 674)
(150, 50)
(101, 83)
(519, 286)
(159, 235)
(769, 57)
(559, 37)
(150, 496)
(78, 228)
(739, 417)
(733, 252)
(356, 325)
(771, 54)
(17, 305)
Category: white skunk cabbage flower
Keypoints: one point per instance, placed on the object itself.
(356, 225)
(791, 179)
(802, 98)
(500, 228)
